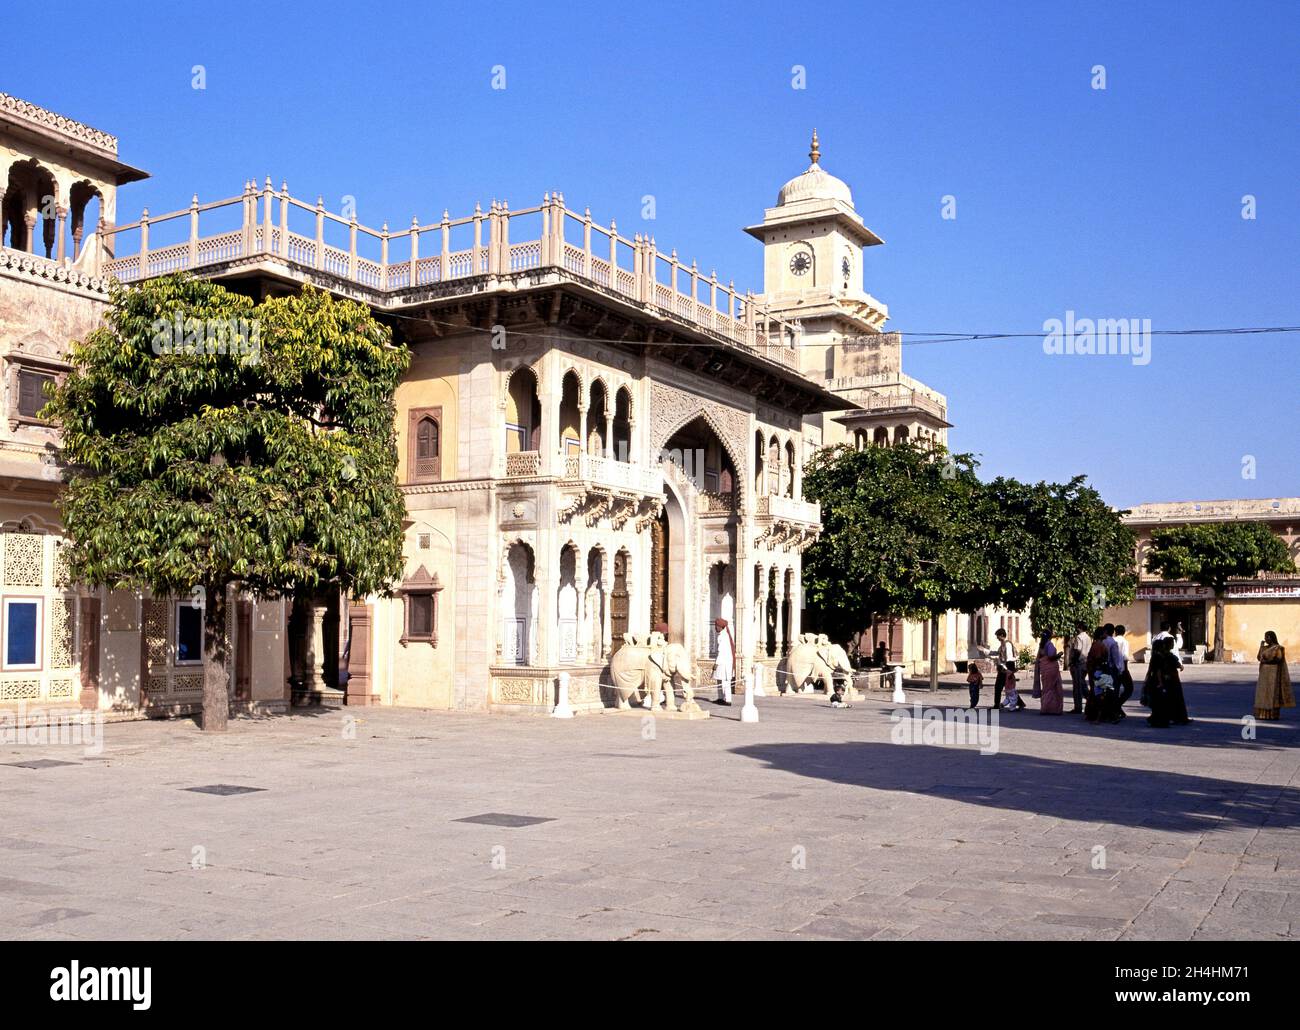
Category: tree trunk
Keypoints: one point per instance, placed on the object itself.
(216, 699)
(1218, 626)
(934, 652)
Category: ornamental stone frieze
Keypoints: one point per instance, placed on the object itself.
(672, 408)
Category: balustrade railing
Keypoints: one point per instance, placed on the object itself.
(422, 255)
(523, 463)
(789, 508)
(609, 472)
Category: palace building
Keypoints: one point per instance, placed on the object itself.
(594, 436)
(1251, 606)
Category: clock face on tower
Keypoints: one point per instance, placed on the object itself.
(846, 269)
(800, 263)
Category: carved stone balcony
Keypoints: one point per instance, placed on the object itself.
(614, 475)
(787, 524)
(522, 464)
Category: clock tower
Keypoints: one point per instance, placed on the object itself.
(813, 275)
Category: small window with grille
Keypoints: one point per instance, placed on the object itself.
(424, 457)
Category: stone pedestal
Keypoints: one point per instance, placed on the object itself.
(360, 689)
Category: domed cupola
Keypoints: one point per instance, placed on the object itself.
(814, 184)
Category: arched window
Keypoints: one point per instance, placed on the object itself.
(774, 466)
(424, 447)
(789, 468)
(623, 425)
(523, 413)
(881, 437)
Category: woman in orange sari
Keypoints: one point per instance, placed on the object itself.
(1049, 677)
(1273, 691)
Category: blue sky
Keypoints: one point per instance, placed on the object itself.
(1123, 202)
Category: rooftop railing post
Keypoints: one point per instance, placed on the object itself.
(503, 219)
(695, 281)
(731, 299)
(383, 257)
(494, 240)
(638, 265)
(476, 256)
(613, 254)
(144, 244)
(267, 234)
(284, 219)
(586, 243)
(446, 246)
(749, 318)
(557, 229)
(352, 246)
(320, 232)
(415, 248)
(250, 216)
(672, 276)
(544, 241)
(713, 298)
(194, 231)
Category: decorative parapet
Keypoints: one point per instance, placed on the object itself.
(1213, 511)
(419, 264)
(617, 475)
(25, 111)
(523, 463)
(808, 513)
(18, 263)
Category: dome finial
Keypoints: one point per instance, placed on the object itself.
(815, 153)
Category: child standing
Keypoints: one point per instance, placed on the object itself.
(975, 680)
(1011, 700)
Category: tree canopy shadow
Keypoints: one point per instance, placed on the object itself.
(1061, 789)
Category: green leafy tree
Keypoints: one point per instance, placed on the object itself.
(912, 532)
(905, 532)
(198, 460)
(1060, 550)
(1212, 553)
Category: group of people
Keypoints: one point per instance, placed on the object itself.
(1102, 682)
(1098, 663)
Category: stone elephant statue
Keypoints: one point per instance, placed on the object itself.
(815, 660)
(653, 668)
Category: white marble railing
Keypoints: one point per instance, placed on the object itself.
(608, 472)
(790, 509)
(523, 463)
(634, 269)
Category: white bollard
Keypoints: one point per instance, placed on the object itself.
(562, 709)
(756, 671)
(899, 697)
(750, 712)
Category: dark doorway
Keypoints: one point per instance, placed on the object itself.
(618, 603)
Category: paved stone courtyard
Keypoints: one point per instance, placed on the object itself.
(811, 824)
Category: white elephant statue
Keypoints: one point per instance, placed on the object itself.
(654, 668)
(665, 671)
(815, 660)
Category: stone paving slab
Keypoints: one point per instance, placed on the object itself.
(813, 824)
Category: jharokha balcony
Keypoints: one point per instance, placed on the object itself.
(497, 249)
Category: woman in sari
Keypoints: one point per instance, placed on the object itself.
(1273, 691)
(1049, 677)
(1163, 690)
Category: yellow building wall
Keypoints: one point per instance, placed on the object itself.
(430, 382)
(418, 674)
(1244, 624)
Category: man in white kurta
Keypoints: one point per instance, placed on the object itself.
(724, 668)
